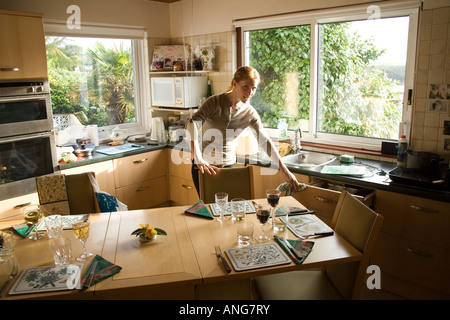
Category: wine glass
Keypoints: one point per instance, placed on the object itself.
(263, 216)
(81, 230)
(273, 197)
(33, 214)
(221, 201)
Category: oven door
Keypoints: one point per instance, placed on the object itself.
(25, 114)
(22, 159)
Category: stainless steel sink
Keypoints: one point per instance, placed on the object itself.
(308, 159)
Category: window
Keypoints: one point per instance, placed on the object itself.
(341, 75)
(98, 78)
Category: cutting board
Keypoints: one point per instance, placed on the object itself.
(118, 149)
(344, 170)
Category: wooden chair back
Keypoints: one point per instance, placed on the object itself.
(360, 226)
(234, 181)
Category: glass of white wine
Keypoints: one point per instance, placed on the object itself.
(81, 230)
(33, 214)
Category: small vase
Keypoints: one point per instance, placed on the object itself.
(143, 239)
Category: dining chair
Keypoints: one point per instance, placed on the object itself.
(67, 194)
(357, 224)
(235, 181)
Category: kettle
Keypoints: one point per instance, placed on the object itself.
(118, 134)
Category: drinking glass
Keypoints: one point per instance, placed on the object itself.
(273, 197)
(238, 209)
(33, 214)
(263, 216)
(6, 244)
(221, 201)
(81, 230)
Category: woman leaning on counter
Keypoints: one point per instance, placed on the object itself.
(222, 118)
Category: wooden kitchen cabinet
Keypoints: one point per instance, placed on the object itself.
(182, 189)
(141, 180)
(23, 54)
(413, 249)
(12, 209)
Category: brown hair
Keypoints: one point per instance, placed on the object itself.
(244, 73)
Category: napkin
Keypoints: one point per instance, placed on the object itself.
(302, 247)
(290, 209)
(23, 229)
(103, 270)
(200, 209)
(285, 186)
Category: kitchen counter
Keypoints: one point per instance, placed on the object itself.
(376, 176)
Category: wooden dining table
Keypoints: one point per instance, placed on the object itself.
(181, 265)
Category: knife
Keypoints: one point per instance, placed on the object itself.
(322, 234)
(11, 276)
(88, 281)
(301, 212)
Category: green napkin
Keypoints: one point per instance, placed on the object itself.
(200, 209)
(23, 229)
(104, 269)
(302, 247)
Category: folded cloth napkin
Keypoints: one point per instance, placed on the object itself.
(302, 247)
(200, 209)
(103, 269)
(285, 186)
(290, 209)
(23, 229)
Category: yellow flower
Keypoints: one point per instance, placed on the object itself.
(150, 232)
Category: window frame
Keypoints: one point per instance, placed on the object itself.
(342, 14)
(138, 35)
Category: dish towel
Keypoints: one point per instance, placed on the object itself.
(103, 270)
(302, 247)
(285, 186)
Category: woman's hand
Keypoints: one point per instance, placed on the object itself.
(204, 166)
(292, 180)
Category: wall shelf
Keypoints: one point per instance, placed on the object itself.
(177, 110)
(152, 73)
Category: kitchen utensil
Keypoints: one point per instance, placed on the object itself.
(89, 279)
(291, 248)
(13, 274)
(225, 263)
(318, 234)
(420, 159)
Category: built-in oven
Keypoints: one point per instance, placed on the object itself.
(27, 142)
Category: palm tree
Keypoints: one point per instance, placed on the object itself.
(113, 74)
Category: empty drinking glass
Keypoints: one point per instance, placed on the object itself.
(221, 201)
(238, 209)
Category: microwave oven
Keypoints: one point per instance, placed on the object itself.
(178, 92)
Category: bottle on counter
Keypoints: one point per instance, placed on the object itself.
(402, 151)
(209, 89)
(282, 128)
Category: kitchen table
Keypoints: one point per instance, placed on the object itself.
(176, 266)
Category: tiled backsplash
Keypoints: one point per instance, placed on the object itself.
(431, 124)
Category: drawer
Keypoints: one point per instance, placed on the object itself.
(182, 191)
(144, 195)
(323, 196)
(427, 221)
(11, 209)
(180, 163)
(139, 168)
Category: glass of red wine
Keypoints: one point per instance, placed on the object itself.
(273, 197)
(263, 216)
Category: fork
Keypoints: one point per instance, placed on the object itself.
(225, 263)
(11, 276)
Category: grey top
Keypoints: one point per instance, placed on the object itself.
(221, 128)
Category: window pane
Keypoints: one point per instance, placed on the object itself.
(92, 78)
(361, 77)
(282, 57)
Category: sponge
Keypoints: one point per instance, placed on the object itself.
(345, 158)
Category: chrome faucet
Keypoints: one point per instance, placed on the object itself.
(297, 143)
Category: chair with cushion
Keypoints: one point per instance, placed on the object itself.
(356, 223)
(235, 181)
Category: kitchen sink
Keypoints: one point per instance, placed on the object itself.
(308, 159)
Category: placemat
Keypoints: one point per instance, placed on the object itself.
(306, 225)
(257, 256)
(215, 208)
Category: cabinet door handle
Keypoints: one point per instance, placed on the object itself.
(140, 189)
(186, 186)
(325, 200)
(139, 161)
(9, 69)
(419, 253)
(425, 210)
